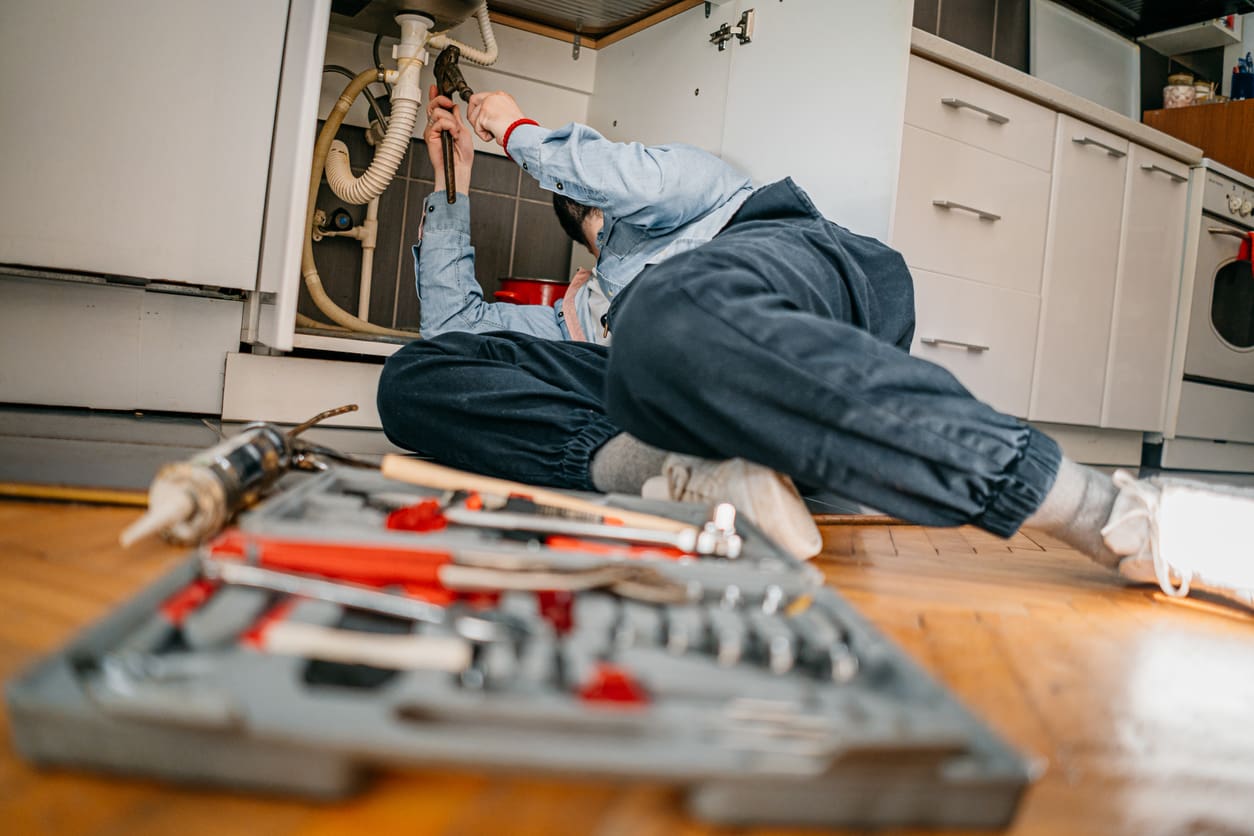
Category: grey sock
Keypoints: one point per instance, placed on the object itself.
(1076, 508)
(623, 464)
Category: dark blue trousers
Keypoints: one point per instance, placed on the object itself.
(783, 340)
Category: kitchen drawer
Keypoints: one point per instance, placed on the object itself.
(960, 107)
(985, 335)
(1003, 246)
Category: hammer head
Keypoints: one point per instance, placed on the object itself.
(448, 75)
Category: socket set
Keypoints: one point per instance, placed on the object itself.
(351, 622)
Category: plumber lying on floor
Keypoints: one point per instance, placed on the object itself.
(755, 346)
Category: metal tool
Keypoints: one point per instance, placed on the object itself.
(824, 647)
(191, 500)
(717, 541)
(474, 628)
(448, 76)
(728, 630)
(774, 638)
(716, 537)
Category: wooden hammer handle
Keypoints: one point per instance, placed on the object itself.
(431, 475)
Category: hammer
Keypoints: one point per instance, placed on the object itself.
(449, 78)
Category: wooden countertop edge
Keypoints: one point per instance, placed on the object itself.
(941, 51)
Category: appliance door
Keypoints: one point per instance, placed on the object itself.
(1221, 325)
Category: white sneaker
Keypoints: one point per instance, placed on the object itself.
(1184, 535)
(767, 498)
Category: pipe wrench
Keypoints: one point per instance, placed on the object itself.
(448, 77)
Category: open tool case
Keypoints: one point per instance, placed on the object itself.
(758, 689)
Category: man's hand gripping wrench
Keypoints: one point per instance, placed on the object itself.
(448, 76)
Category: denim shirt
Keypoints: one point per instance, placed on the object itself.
(656, 201)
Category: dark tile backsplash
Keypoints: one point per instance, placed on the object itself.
(1010, 38)
(969, 23)
(996, 28)
(927, 15)
(513, 230)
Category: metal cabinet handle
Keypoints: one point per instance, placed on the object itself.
(1214, 230)
(957, 104)
(937, 341)
(949, 204)
(1152, 167)
(1088, 140)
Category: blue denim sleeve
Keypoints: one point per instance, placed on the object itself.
(659, 188)
(450, 297)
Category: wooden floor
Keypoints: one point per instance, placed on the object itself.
(1138, 711)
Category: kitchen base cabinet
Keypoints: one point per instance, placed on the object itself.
(1081, 254)
(1147, 289)
(989, 354)
(963, 211)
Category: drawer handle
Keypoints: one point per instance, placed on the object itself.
(1088, 140)
(1152, 167)
(957, 104)
(937, 341)
(949, 204)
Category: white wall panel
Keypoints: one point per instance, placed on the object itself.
(108, 347)
(288, 390)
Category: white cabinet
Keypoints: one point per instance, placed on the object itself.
(819, 95)
(138, 136)
(949, 103)
(1082, 251)
(984, 335)
(1112, 282)
(963, 211)
(1046, 253)
(1147, 288)
(756, 105)
(972, 207)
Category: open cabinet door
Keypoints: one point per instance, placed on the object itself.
(272, 314)
(665, 84)
(819, 94)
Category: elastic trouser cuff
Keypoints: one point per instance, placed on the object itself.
(1028, 480)
(575, 464)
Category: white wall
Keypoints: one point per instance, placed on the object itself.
(1235, 51)
(1085, 58)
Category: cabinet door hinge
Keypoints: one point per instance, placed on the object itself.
(742, 31)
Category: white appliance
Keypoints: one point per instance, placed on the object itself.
(1214, 423)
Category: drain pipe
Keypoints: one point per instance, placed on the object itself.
(367, 234)
(486, 56)
(411, 55)
(406, 98)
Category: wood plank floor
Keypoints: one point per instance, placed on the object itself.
(1138, 711)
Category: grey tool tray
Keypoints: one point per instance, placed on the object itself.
(765, 713)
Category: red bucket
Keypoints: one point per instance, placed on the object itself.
(531, 291)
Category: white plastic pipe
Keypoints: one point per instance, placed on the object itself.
(369, 234)
(387, 158)
(406, 99)
(486, 56)
(308, 266)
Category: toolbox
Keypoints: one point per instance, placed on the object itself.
(303, 649)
